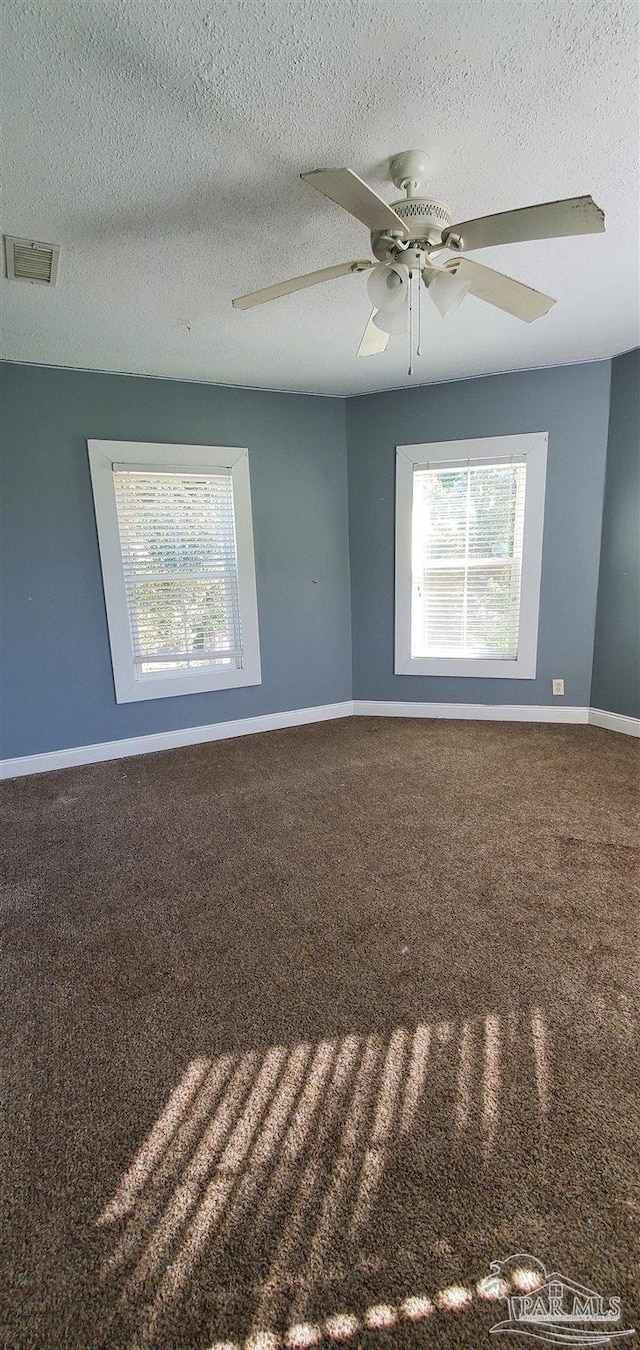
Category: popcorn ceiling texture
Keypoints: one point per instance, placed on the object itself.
(160, 143)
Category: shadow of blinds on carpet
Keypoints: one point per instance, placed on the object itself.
(287, 1150)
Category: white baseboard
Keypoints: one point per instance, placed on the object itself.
(629, 726)
(248, 726)
(477, 712)
(170, 740)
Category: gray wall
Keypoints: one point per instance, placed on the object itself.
(616, 657)
(572, 404)
(57, 682)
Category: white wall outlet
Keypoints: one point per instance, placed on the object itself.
(557, 686)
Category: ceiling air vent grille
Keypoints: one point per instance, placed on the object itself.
(30, 261)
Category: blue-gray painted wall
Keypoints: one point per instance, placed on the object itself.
(57, 680)
(616, 658)
(572, 404)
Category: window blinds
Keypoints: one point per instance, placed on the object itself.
(177, 539)
(467, 534)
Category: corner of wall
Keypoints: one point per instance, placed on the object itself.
(347, 417)
(604, 489)
(615, 671)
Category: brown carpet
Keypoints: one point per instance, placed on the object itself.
(307, 1029)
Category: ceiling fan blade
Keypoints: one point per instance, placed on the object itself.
(499, 290)
(373, 339)
(299, 283)
(355, 196)
(548, 220)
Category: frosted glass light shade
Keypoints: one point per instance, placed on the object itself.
(391, 320)
(447, 292)
(388, 285)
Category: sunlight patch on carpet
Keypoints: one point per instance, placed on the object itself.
(278, 1158)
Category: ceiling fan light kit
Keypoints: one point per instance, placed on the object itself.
(408, 238)
(387, 286)
(445, 289)
(391, 321)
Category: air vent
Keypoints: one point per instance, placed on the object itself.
(29, 261)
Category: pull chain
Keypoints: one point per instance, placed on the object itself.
(411, 323)
(419, 347)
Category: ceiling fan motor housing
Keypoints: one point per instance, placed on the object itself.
(425, 217)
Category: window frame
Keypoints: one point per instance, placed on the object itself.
(482, 451)
(130, 686)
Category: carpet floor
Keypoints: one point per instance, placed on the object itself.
(305, 1030)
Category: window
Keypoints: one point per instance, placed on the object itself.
(176, 547)
(469, 517)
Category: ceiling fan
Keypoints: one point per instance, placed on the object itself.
(408, 239)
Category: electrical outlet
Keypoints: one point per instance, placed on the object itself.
(557, 686)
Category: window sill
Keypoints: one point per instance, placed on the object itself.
(172, 686)
(471, 667)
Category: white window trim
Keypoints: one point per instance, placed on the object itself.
(482, 450)
(130, 686)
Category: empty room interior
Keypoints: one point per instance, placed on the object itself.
(320, 659)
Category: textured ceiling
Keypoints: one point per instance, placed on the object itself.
(160, 142)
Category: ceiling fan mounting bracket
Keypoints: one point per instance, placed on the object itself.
(409, 170)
